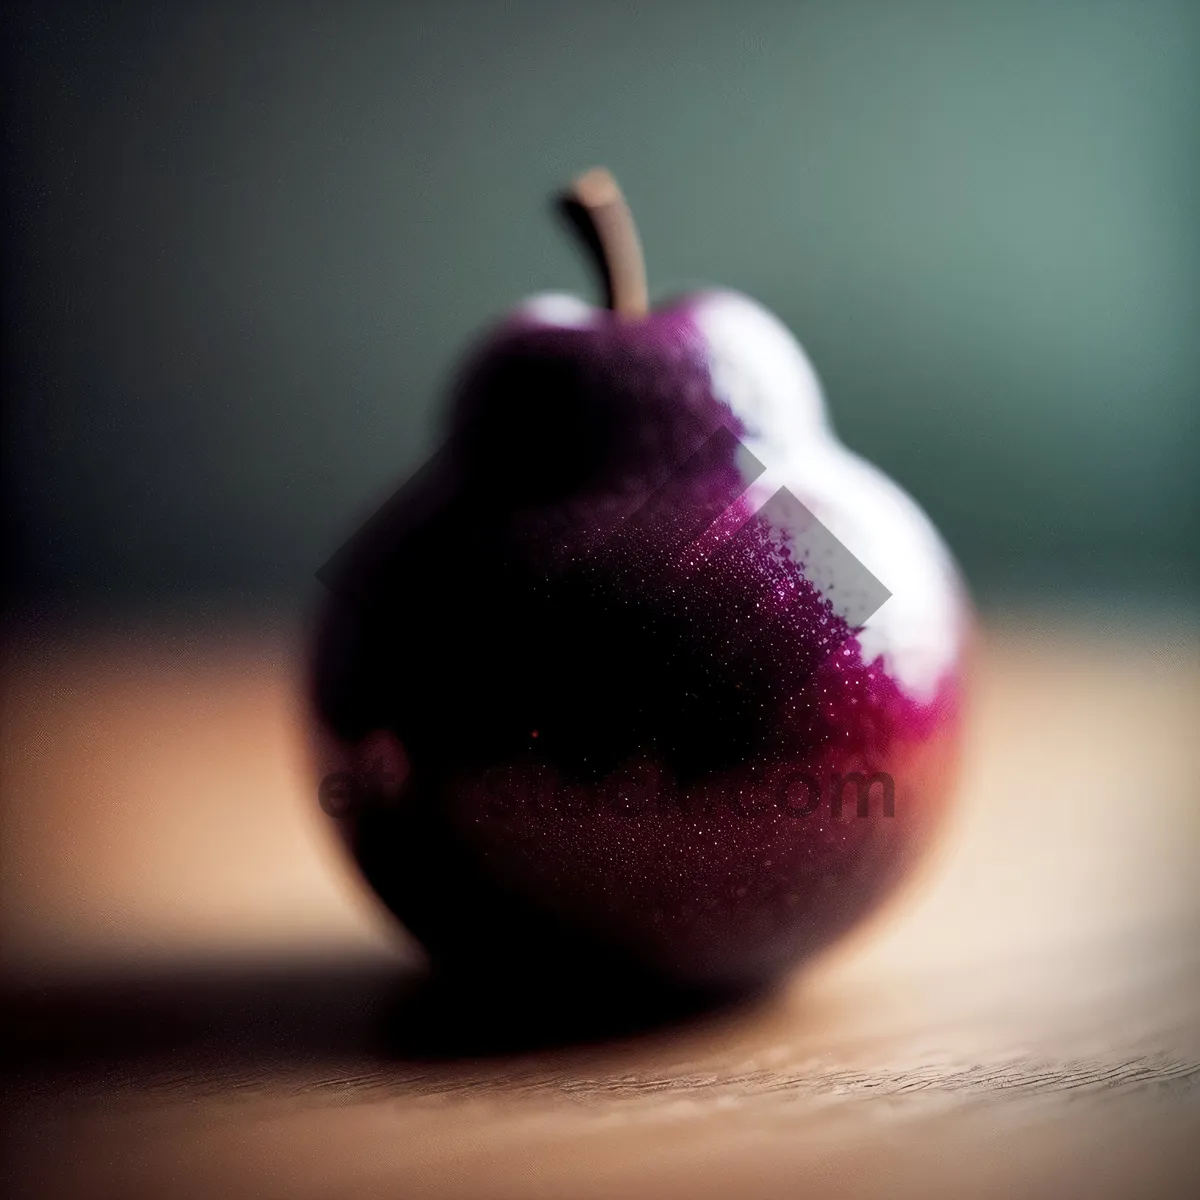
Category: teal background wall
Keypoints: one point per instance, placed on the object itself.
(247, 243)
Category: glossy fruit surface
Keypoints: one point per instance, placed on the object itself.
(627, 649)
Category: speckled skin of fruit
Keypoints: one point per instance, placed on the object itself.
(628, 735)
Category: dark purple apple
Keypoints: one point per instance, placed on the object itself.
(666, 681)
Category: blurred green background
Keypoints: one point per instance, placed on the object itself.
(246, 244)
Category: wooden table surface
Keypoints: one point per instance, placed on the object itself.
(201, 1001)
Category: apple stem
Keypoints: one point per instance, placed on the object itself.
(599, 214)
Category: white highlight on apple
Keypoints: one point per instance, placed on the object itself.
(765, 377)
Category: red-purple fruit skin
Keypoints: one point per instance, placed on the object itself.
(620, 742)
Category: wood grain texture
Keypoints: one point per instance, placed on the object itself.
(201, 1000)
